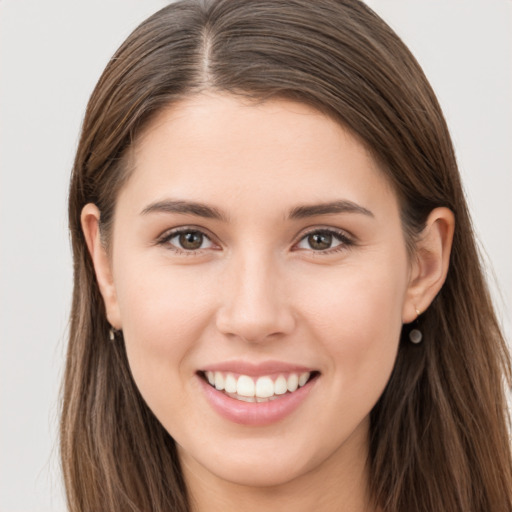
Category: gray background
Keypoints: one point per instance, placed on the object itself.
(51, 54)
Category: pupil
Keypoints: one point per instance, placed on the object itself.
(320, 241)
(191, 240)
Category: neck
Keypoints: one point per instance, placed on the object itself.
(337, 484)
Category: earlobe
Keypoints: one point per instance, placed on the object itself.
(430, 262)
(90, 219)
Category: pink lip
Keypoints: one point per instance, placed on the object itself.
(254, 413)
(256, 370)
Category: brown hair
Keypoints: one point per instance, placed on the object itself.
(440, 432)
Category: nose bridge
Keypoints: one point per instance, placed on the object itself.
(254, 303)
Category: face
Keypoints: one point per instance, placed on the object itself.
(258, 247)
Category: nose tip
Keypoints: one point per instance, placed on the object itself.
(255, 308)
(253, 327)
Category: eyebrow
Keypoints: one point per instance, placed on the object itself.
(333, 207)
(210, 212)
(185, 207)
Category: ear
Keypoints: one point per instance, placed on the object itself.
(90, 219)
(430, 263)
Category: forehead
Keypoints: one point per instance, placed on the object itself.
(225, 148)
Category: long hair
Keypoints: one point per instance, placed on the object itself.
(439, 435)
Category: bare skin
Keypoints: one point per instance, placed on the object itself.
(255, 233)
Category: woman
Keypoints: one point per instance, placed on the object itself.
(278, 302)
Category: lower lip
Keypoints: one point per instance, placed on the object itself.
(255, 413)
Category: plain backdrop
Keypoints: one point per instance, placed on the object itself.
(51, 54)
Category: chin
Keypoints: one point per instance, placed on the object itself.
(257, 473)
(258, 462)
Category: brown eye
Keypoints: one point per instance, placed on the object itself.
(324, 240)
(320, 241)
(188, 240)
(191, 240)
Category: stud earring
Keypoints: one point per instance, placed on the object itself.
(415, 335)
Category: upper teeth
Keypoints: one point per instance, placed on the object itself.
(261, 387)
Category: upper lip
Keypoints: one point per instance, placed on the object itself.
(256, 369)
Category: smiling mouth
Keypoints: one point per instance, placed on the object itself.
(257, 389)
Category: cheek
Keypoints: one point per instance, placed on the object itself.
(357, 317)
(359, 297)
(163, 311)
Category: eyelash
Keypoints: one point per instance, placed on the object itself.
(345, 242)
(169, 235)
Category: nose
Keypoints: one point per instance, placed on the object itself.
(254, 304)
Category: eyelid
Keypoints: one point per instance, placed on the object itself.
(347, 240)
(172, 232)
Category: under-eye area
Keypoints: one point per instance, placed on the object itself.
(264, 388)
